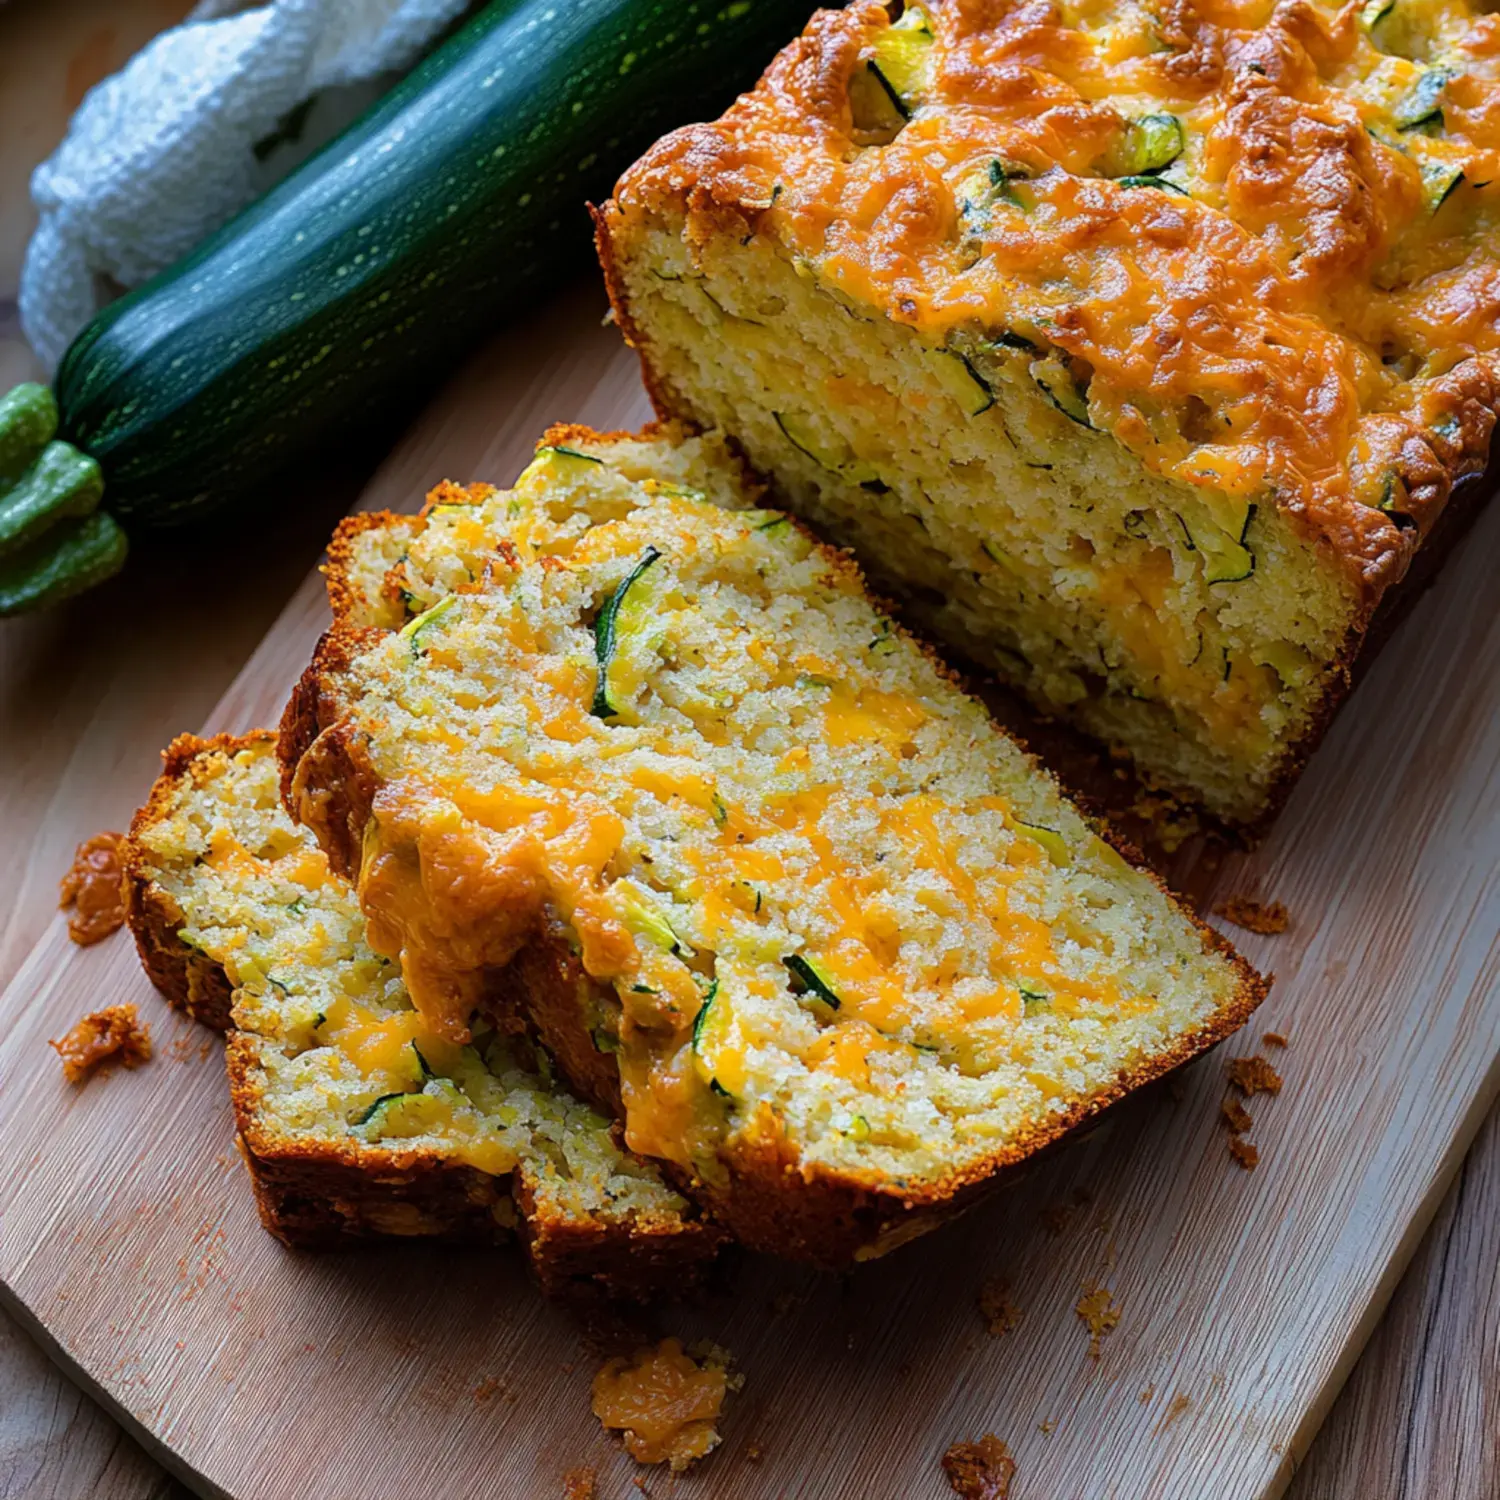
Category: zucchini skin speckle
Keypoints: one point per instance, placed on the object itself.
(350, 287)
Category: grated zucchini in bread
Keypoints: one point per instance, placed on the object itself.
(355, 1118)
(1135, 347)
(837, 947)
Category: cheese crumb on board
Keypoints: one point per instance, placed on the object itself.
(664, 1402)
(580, 1484)
(94, 889)
(1100, 1314)
(1253, 1075)
(112, 1034)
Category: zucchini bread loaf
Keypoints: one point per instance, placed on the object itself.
(777, 890)
(1137, 347)
(354, 1118)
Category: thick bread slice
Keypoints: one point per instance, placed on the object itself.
(1081, 360)
(353, 1119)
(781, 892)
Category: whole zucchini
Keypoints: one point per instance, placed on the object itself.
(347, 289)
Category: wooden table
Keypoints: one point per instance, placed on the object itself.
(95, 688)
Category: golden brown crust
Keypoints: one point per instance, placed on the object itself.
(345, 598)
(326, 780)
(575, 1260)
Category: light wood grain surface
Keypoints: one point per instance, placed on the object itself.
(87, 697)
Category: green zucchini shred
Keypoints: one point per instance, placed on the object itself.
(607, 634)
(367, 1115)
(572, 453)
(813, 980)
(1149, 143)
(1439, 181)
(1058, 385)
(964, 383)
(413, 630)
(709, 996)
(1146, 180)
(902, 59)
(1034, 1002)
(1227, 558)
(643, 918)
(1052, 843)
(798, 432)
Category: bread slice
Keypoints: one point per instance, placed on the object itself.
(353, 1118)
(836, 948)
(1097, 347)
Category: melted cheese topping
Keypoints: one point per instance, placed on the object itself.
(1299, 305)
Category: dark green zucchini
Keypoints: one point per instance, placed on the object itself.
(351, 287)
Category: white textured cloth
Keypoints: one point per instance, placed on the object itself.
(164, 152)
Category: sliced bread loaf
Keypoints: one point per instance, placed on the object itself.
(354, 1118)
(781, 892)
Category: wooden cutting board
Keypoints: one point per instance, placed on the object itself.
(129, 1244)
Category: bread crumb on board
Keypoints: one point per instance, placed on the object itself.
(1274, 1039)
(114, 1034)
(580, 1484)
(1246, 1153)
(1264, 917)
(95, 889)
(980, 1471)
(1000, 1314)
(1100, 1314)
(664, 1401)
(1250, 1075)
(1253, 1075)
